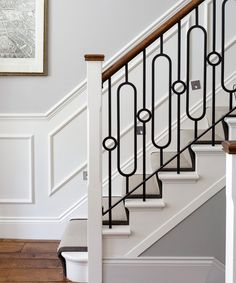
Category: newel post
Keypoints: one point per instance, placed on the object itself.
(94, 94)
(230, 264)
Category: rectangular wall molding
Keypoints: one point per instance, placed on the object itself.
(17, 169)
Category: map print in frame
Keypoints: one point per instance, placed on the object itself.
(23, 37)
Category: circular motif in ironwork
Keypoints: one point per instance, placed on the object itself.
(214, 58)
(179, 87)
(144, 115)
(109, 143)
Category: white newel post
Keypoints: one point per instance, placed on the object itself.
(230, 263)
(94, 87)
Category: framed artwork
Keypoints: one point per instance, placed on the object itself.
(23, 37)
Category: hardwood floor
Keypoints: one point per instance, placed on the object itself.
(30, 261)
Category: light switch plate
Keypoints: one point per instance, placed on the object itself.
(140, 130)
(196, 85)
(85, 175)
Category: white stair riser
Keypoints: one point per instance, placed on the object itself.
(210, 164)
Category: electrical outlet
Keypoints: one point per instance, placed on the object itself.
(196, 85)
(140, 130)
(85, 175)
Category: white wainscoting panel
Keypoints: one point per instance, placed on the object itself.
(16, 169)
(67, 150)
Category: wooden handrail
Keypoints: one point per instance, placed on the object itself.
(150, 39)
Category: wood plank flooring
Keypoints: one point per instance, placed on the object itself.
(30, 261)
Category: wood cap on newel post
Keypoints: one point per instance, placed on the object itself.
(94, 167)
(229, 147)
(94, 57)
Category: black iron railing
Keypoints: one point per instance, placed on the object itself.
(178, 89)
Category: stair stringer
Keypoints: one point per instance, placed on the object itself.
(183, 194)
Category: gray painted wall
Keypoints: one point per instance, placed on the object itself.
(77, 27)
(201, 234)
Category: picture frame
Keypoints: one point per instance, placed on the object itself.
(23, 37)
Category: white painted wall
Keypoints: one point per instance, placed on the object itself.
(75, 28)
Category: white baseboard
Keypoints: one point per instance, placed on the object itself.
(38, 228)
(163, 270)
(32, 230)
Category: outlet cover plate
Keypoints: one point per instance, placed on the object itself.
(85, 175)
(196, 85)
(140, 130)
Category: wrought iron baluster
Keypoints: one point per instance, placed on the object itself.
(161, 156)
(179, 88)
(195, 128)
(161, 44)
(119, 165)
(229, 91)
(126, 73)
(197, 16)
(213, 72)
(165, 56)
(197, 26)
(144, 124)
(109, 144)
(110, 153)
(231, 97)
(179, 98)
(127, 184)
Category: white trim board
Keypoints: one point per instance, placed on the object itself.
(50, 228)
(165, 269)
(63, 217)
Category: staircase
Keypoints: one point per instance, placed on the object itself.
(153, 202)
(131, 233)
